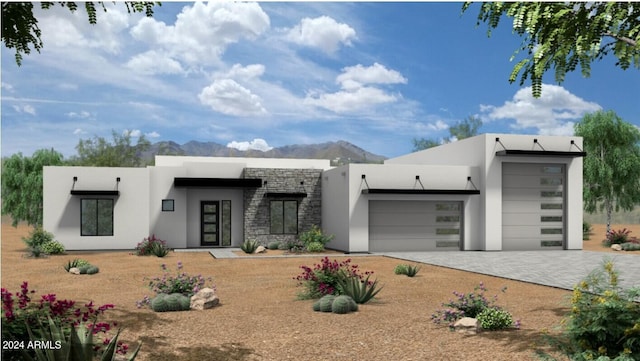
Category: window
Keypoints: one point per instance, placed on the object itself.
(167, 205)
(284, 217)
(96, 217)
(550, 194)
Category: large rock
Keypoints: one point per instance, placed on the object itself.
(205, 298)
(74, 270)
(260, 249)
(467, 325)
(616, 247)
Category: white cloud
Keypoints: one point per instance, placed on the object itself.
(153, 134)
(228, 97)
(6, 86)
(439, 125)
(256, 144)
(322, 32)
(246, 72)
(79, 131)
(553, 113)
(28, 109)
(202, 32)
(81, 115)
(134, 133)
(153, 62)
(355, 94)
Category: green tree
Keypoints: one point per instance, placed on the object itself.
(20, 29)
(563, 35)
(22, 185)
(612, 164)
(99, 152)
(463, 129)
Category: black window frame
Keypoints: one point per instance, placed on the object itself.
(98, 223)
(168, 208)
(283, 215)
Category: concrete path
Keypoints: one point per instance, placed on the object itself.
(562, 269)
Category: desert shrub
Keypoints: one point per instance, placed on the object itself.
(360, 290)
(37, 238)
(21, 310)
(159, 249)
(249, 246)
(405, 269)
(494, 318)
(604, 321)
(315, 235)
(324, 277)
(283, 246)
(76, 263)
(147, 246)
(586, 230)
(466, 305)
(616, 237)
(293, 245)
(180, 283)
(273, 245)
(629, 246)
(315, 247)
(53, 247)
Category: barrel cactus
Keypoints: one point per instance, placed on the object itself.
(159, 303)
(342, 304)
(325, 303)
(316, 306)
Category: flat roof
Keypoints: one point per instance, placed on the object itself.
(418, 191)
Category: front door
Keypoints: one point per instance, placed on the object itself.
(209, 223)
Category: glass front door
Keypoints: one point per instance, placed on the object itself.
(210, 221)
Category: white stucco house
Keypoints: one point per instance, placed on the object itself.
(490, 192)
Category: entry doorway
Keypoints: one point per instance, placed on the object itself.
(209, 223)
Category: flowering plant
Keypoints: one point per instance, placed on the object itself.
(20, 310)
(324, 278)
(152, 245)
(180, 283)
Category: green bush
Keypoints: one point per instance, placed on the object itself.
(616, 237)
(586, 230)
(159, 249)
(37, 238)
(152, 246)
(315, 235)
(53, 247)
(495, 318)
(273, 245)
(323, 278)
(315, 247)
(249, 246)
(405, 269)
(630, 246)
(76, 263)
(604, 322)
(283, 246)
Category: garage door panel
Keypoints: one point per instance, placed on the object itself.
(532, 206)
(414, 225)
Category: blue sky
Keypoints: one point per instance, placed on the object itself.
(261, 75)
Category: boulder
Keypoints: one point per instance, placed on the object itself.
(74, 270)
(616, 247)
(260, 249)
(467, 325)
(205, 298)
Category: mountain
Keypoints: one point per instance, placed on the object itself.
(340, 152)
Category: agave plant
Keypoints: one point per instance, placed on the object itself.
(249, 246)
(412, 270)
(362, 291)
(69, 343)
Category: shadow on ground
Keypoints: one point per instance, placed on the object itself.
(224, 352)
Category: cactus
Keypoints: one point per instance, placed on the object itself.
(325, 303)
(159, 303)
(91, 270)
(84, 269)
(342, 304)
(273, 245)
(185, 302)
(172, 302)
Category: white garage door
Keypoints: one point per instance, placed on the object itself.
(532, 206)
(414, 226)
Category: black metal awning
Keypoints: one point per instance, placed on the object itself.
(540, 153)
(285, 195)
(419, 191)
(78, 192)
(217, 182)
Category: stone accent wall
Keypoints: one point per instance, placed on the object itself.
(257, 206)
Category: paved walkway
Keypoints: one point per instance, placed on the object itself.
(562, 269)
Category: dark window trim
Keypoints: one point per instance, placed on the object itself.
(283, 201)
(97, 217)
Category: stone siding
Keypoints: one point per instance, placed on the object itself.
(257, 206)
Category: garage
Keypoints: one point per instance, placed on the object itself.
(414, 225)
(533, 206)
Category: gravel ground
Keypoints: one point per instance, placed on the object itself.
(259, 317)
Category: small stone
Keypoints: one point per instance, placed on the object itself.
(260, 249)
(205, 298)
(74, 270)
(466, 325)
(616, 247)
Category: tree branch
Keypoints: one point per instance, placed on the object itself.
(622, 38)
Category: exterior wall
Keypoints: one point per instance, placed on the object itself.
(257, 206)
(168, 226)
(283, 163)
(62, 210)
(196, 195)
(335, 207)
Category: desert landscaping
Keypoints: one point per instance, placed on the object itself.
(260, 318)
